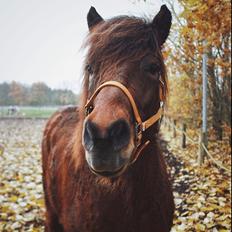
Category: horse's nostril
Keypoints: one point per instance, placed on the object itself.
(119, 134)
(90, 134)
(116, 137)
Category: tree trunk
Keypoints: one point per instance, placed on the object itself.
(226, 91)
(216, 98)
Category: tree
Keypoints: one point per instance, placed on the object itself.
(199, 21)
(36, 95)
(40, 94)
(17, 93)
(5, 98)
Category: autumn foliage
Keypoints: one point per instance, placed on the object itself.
(202, 26)
(38, 94)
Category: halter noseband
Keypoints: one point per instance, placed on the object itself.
(140, 125)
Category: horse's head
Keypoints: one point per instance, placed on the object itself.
(124, 76)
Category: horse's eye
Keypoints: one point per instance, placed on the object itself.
(152, 68)
(89, 69)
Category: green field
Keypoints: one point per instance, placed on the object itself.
(29, 112)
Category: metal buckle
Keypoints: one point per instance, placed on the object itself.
(140, 128)
(138, 132)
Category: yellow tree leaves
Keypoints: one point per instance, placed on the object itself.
(202, 26)
(207, 20)
(183, 99)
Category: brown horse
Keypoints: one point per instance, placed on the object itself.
(103, 170)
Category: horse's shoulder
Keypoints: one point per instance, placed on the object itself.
(69, 114)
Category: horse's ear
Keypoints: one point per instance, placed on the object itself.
(162, 24)
(93, 18)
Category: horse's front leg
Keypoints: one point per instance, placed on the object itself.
(52, 223)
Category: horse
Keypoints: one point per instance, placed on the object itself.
(103, 170)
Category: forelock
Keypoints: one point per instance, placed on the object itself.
(120, 39)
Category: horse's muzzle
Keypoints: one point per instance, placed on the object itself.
(105, 149)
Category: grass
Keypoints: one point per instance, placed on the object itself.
(31, 112)
(38, 112)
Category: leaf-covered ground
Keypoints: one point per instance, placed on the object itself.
(202, 195)
(21, 199)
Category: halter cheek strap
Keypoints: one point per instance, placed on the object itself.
(140, 125)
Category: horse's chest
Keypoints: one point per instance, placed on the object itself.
(97, 212)
(93, 208)
(112, 215)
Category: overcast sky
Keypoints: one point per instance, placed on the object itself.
(40, 40)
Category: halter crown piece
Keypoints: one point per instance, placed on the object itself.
(140, 125)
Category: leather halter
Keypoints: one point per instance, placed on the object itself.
(140, 125)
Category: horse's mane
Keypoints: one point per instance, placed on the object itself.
(118, 40)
